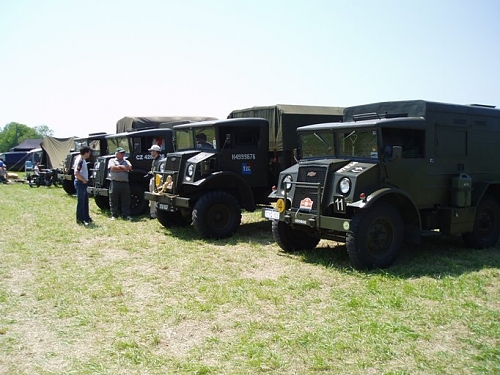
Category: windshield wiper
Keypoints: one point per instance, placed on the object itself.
(321, 139)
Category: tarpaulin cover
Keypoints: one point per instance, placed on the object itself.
(129, 123)
(56, 150)
(284, 119)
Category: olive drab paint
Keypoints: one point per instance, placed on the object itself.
(389, 172)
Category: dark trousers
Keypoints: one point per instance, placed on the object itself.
(82, 205)
(119, 198)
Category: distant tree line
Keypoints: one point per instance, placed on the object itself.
(14, 133)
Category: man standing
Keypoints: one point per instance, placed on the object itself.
(155, 153)
(81, 180)
(119, 190)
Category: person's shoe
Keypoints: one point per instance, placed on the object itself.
(86, 223)
(112, 218)
(129, 218)
(90, 220)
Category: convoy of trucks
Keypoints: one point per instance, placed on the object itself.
(373, 176)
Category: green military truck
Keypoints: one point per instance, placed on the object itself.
(136, 145)
(98, 143)
(136, 135)
(209, 182)
(389, 172)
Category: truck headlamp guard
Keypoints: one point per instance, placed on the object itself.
(286, 183)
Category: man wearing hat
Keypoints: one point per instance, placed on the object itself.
(155, 153)
(119, 190)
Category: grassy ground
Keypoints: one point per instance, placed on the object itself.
(136, 298)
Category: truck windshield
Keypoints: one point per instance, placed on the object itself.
(122, 142)
(351, 143)
(199, 138)
(317, 144)
(358, 143)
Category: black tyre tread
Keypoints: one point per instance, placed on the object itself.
(102, 202)
(291, 240)
(357, 237)
(138, 205)
(69, 187)
(202, 212)
(479, 239)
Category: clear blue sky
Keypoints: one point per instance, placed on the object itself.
(79, 66)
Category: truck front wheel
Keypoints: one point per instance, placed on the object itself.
(102, 202)
(290, 239)
(216, 215)
(486, 228)
(138, 205)
(376, 237)
(69, 187)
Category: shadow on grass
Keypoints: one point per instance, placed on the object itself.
(255, 232)
(435, 257)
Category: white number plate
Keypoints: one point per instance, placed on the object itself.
(271, 214)
(163, 207)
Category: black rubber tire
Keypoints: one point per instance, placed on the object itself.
(69, 187)
(216, 215)
(376, 237)
(168, 219)
(290, 239)
(486, 224)
(138, 205)
(102, 202)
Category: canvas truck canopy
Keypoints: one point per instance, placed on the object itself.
(55, 151)
(284, 119)
(130, 123)
(421, 109)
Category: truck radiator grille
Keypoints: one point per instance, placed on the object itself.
(68, 163)
(101, 173)
(312, 174)
(173, 164)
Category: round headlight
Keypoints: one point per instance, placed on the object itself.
(190, 170)
(345, 185)
(286, 183)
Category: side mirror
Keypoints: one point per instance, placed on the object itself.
(228, 139)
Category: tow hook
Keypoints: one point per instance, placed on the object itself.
(312, 222)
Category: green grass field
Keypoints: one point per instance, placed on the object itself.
(136, 298)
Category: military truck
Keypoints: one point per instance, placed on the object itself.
(136, 135)
(389, 173)
(136, 145)
(99, 145)
(208, 183)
